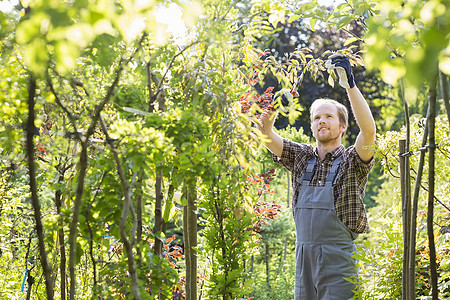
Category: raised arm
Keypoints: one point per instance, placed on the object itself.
(366, 123)
(361, 110)
(274, 142)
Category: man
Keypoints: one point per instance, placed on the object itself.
(329, 183)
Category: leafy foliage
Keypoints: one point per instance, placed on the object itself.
(126, 115)
(381, 253)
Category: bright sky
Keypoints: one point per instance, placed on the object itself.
(173, 17)
(330, 2)
(170, 15)
(7, 5)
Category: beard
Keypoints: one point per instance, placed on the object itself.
(329, 137)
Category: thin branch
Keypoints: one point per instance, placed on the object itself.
(82, 172)
(61, 168)
(67, 110)
(445, 95)
(91, 235)
(443, 153)
(133, 212)
(30, 133)
(110, 92)
(431, 187)
(82, 164)
(139, 211)
(415, 202)
(170, 65)
(228, 10)
(436, 198)
(127, 204)
(388, 168)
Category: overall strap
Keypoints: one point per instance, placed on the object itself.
(309, 173)
(332, 175)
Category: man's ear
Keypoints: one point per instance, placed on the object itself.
(343, 128)
(312, 131)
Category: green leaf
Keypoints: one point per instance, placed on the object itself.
(343, 22)
(392, 71)
(79, 252)
(331, 81)
(167, 209)
(444, 65)
(66, 55)
(293, 18)
(302, 56)
(312, 22)
(341, 7)
(36, 56)
(159, 235)
(327, 52)
(351, 40)
(32, 28)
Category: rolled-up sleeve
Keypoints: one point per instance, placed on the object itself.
(290, 152)
(363, 168)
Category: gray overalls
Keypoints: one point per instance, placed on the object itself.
(324, 243)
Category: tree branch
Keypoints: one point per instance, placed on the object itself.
(67, 110)
(31, 131)
(82, 164)
(415, 201)
(445, 95)
(431, 187)
(170, 65)
(91, 235)
(61, 168)
(83, 167)
(127, 204)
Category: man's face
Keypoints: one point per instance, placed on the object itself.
(325, 124)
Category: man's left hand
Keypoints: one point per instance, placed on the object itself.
(343, 69)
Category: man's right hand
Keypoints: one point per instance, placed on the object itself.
(283, 98)
(275, 142)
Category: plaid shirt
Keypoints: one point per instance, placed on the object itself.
(350, 184)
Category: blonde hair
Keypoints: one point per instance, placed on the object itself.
(341, 109)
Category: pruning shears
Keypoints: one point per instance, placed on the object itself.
(292, 91)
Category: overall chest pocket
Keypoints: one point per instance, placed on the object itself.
(315, 197)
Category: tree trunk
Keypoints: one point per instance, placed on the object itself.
(415, 201)
(285, 252)
(151, 102)
(91, 237)
(158, 213)
(62, 247)
(73, 233)
(127, 206)
(30, 281)
(159, 97)
(190, 240)
(431, 177)
(30, 278)
(408, 278)
(266, 260)
(445, 96)
(139, 210)
(406, 217)
(31, 131)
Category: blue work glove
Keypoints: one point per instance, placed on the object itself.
(343, 70)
